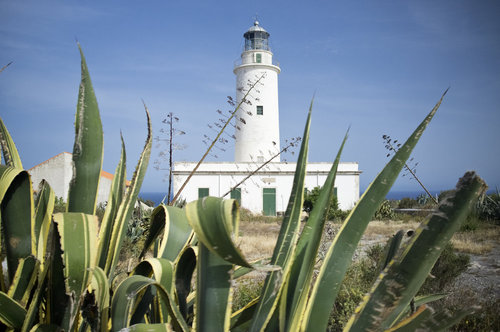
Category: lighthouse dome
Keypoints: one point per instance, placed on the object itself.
(256, 38)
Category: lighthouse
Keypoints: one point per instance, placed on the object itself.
(257, 121)
(261, 187)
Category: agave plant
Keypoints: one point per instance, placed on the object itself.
(60, 267)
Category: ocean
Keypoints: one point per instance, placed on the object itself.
(156, 197)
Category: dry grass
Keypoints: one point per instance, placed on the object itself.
(478, 242)
(257, 239)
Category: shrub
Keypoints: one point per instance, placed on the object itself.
(488, 208)
(471, 223)
(246, 291)
(59, 205)
(384, 211)
(358, 280)
(310, 199)
(443, 194)
(407, 203)
(485, 319)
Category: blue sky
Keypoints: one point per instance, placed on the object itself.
(377, 66)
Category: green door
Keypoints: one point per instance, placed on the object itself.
(202, 192)
(269, 201)
(236, 194)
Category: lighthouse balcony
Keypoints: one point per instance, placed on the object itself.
(255, 61)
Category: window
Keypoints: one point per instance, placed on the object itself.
(258, 58)
(260, 110)
(203, 192)
(236, 194)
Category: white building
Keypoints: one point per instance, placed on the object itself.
(58, 172)
(257, 139)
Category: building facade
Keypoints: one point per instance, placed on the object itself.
(257, 140)
(58, 172)
(268, 190)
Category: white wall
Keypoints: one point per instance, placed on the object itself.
(220, 177)
(58, 171)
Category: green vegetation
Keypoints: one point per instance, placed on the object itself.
(200, 242)
(384, 211)
(333, 213)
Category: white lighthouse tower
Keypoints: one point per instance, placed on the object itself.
(257, 136)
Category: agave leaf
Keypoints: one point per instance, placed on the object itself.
(415, 321)
(161, 270)
(12, 314)
(176, 231)
(9, 150)
(419, 301)
(59, 304)
(300, 280)
(241, 319)
(213, 291)
(215, 222)
(240, 271)
(286, 243)
(16, 215)
(24, 280)
(425, 319)
(122, 303)
(88, 148)
(444, 319)
(424, 299)
(78, 234)
(36, 301)
(401, 280)
(100, 285)
(394, 245)
(45, 328)
(114, 200)
(43, 217)
(127, 205)
(150, 328)
(184, 269)
(339, 255)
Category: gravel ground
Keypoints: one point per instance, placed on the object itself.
(483, 275)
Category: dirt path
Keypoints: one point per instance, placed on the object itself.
(483, 274)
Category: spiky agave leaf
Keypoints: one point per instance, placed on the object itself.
(300, 280)
(127, 205)
(87, 149)
(16, 215)
(10, 154)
